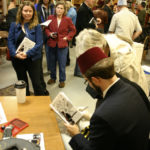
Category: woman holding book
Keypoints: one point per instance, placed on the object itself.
(26, 25)
(60, 31)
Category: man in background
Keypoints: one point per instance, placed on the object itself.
(142, 13)
(107, 8)
(84, 16)
(125, 23)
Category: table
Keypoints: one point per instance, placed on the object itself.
(37, 113)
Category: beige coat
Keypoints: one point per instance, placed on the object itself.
(127, 60)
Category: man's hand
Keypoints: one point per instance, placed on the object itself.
(98, 21)
(72, 129)
(136, 34)
(85, 113)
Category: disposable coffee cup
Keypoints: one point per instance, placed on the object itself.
(20, 87)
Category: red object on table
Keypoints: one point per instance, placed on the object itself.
(18, 125)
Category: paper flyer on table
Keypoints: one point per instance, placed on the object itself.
(33, 136)
(2, 115)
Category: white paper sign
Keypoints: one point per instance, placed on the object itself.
(2, 115)
(30, 137)
(46, 23)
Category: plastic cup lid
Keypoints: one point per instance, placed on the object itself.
(20, 84)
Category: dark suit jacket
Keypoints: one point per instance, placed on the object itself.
(109, 14)
(121, 122)
(11, 16)
(84, 15)
(65, 29)
(98, 95)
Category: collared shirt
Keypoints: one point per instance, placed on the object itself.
(124, 23)
(106, 90)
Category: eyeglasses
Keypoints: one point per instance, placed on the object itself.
(86, 82)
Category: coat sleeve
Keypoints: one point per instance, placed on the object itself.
(113, 23)
(72, 29)
(37, 49)
(102, 137)
(11, 40)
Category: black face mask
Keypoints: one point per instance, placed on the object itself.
(96, 88)
(94, 93)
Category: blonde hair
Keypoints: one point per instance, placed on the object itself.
(63, 4)
(87, 39)
(69, 5)
(34, 21)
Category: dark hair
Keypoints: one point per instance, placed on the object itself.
(41, 1)
(143, 4)
(103, 69)
(107, 1)
(29, 0)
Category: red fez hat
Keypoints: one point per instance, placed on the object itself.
(89, 58)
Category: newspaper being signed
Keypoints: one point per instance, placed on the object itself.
(25, 45)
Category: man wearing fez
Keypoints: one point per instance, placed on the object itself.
(122, 121)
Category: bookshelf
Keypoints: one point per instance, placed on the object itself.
(1, 7)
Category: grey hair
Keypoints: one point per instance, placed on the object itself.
(87, 39)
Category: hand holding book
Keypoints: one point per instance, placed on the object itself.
(65, 109)
(24, 46)
(72, 129)
(21, 55)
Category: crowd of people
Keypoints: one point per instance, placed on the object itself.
(102, 17)
(106, 57)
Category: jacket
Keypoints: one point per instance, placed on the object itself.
(84, 15)
(72, 13)
(65, 29)
(34, 34)
(11, 16)
(127, 60)
(121, 122)
(40, 12)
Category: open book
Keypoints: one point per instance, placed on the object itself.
(65, 109)
(25, 45)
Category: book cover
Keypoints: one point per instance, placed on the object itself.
(37, 138)
(25, 45)
(65, 109)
